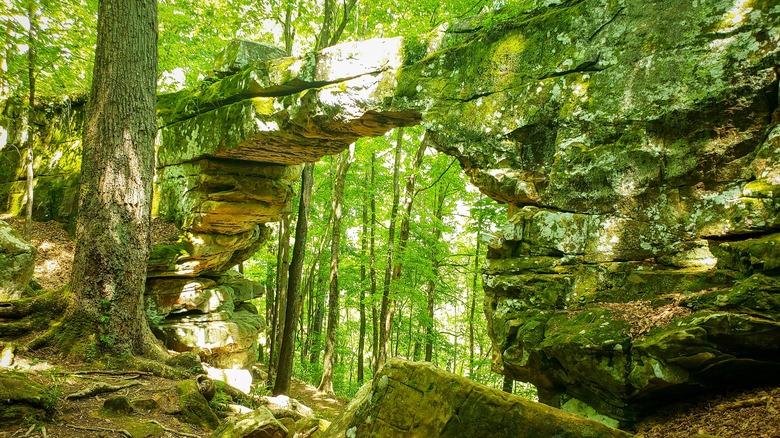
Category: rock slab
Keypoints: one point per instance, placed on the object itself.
(415, 399)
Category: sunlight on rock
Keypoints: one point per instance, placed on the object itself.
(237, 378)
(736, 15)
(7, 356)
(608, 236)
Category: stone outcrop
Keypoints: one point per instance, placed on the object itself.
(17, 262)
(415, 399)
(636, 144)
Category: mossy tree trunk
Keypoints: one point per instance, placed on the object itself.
(326, 384)
(32, 50)
(112, 231)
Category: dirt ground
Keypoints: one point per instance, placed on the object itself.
(740, 414)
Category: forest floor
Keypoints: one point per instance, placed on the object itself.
(744, 414)
(85, 417)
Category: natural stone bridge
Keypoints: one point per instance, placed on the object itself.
(636, 144)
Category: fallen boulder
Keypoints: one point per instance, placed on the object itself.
(418, 399)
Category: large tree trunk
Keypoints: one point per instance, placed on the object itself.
(326, 384)
(286, 350)
(112, 231)
(386, 310)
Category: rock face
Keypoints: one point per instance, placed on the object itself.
(17, 262)
(637, 146)
(57, 161)
(415, 399)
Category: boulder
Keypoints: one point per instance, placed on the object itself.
(417, 399)
(17, 262)
(194, 407)
(257, 424)
(283, 406)
(22, 399)
(240, 52)
(223, 339)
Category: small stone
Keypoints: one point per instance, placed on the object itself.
(117, 405)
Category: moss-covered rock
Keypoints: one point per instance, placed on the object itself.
(22, 399)
(417, 399)
(194, 408)
(17, 262)
(259, 423)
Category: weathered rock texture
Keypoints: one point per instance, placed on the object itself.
(637, 146)
(415, 399)
(17, 262)
(57, 160)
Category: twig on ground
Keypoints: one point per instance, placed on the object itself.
(751, 402)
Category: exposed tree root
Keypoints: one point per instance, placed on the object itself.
(101, 429)
(113, 373)
(176, 432)
(48, 303)
(100, 388)
(43, 339)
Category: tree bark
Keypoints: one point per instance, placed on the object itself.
(508, 385)
(112, 231)
(326, 384)
(286, 349)
(385, 312)
(473, 304)
(431, 292)
(279, 303)
(32, 49)
(362, 294)
(372, 266)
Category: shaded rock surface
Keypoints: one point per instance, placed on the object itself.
(636, 144)
(415, 399)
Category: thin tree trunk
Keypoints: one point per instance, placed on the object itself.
(279, 303)
(372, 267)
(362, 294)
(508, 385)
(32, 48)
(431, 292)
(386, 313)
(473, 303)
(319, 316)
(286, 348)
(112, 230)
(326, 384)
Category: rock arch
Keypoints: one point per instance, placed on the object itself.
(636, 144)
